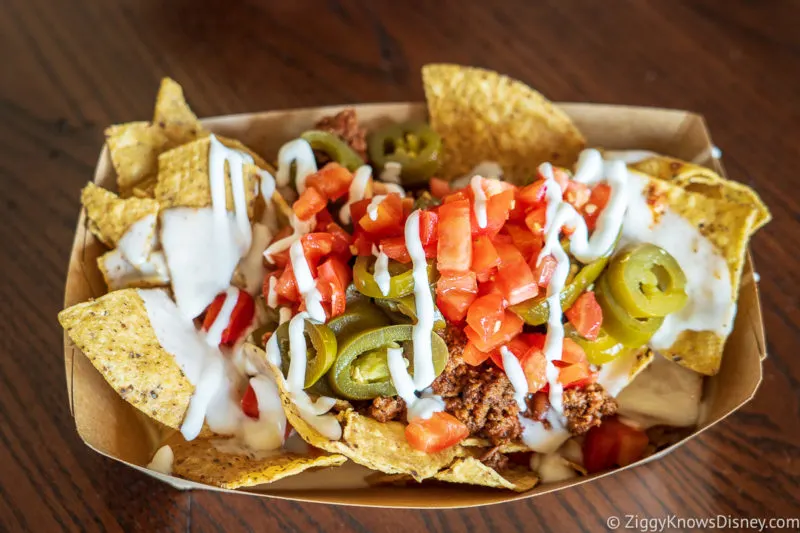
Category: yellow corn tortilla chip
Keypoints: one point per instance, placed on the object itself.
(696, 178)
(183, 178)
(110, 216)
(199, 460)
(511, 447)
(115, 333)
(727, 225)
(471, 471)
(484, 116)
(379, 446)
(146, 188)
(174, 116)
(134, 149)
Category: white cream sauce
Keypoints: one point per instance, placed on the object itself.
(618, 374)
(299, 228)
(305, 282)
(381, 274)
(391, 172)
(422, 407)
(300, 153)
(284, 315)
(214, 333)
(272, 295)
(479, 205)
(372, 208)
(162, 460)
(359, 190)
(121, 274)
(139, 240)
(422, 330)
(265, 433)
(487, 169)
(541, 439)
(251, 266)
(516, 376)
(551, 467)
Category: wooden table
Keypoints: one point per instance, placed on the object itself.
(71, 68)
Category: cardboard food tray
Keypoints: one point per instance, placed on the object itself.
(117, 430)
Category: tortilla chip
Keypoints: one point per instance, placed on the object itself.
(110, 216)
(199, 460)
(183, 178)
(146, 188)
(119, 273)
(115, 333)
(173, 114)
(484, 116)
(696, 178)
(727, 225)
(134, 149)
(473, 472)
(510, 447)
(379, 446)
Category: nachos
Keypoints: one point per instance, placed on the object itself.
(475, 299)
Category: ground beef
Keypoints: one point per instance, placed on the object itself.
(387, 408)
(585, 407)
(480, 396)
(345, 125)
(495, 460)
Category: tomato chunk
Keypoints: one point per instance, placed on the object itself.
(250, 403)
(543, 272)
(395, 248)
(332, 181)
(439, 432)
(514, 276)
(577, 194)
(612, 443)
(484, 258)
(486, 314)
(454, 250)
(473, 356)
(341, 240)
(315, 247)
(309, 204)
(455, 293)
(439, 188)
(286, 286)
(586, 315)
(597, 202)
(528, 243)
(334, 277)
(532, 194)
(498, 209)
(536, 220)
(428, 227)
(511, 327)
(241, 316)
(388, 217)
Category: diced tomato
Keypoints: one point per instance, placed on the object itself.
(324, 218)
(341, 240)
(362, 243)
(395, 248)
(455, 293)
(612, 443)
(514, 277)
(498, 209)
(536, 220)
(281, 258)
(286, 287)
(439, 432)
(428, 227)
(576, 375)
(333, 278)
(439, 188)
(544, 270)
(408, 206)
(486, 314)
(473, 356)
(332, 181)
(309, 204)
(586, 315)
(240, 319)
(561, 176)
(517, 346)
(358, 210)
(577, 194)
(572, 353)
(489, 287)
(250, 403)
(534, 365)
(455, 197)
(527, 243)
(454, 250)
(484, 258)
(510, 328)
(597, 202)
(532, 194)
(388, 217)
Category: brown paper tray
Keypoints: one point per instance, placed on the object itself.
(115, 429)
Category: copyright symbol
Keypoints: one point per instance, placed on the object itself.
(612, 522)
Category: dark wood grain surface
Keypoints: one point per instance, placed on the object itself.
(68, 69)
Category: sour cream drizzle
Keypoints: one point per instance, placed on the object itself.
(382, 276)
(516, 376)
(372, 208)
(357, 192)
(423, 356)
(218, 156)
(480, 201)
(422, 407)
(300, 153)
(139, 240)
(214, 333)
(305, 282)
(391, 172)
